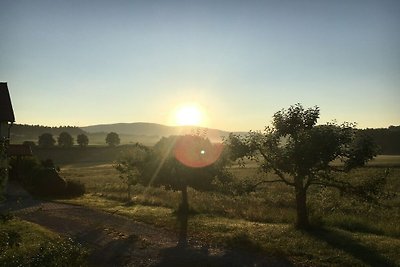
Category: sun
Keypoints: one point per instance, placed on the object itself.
(189, 114)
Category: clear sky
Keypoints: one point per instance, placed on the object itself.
(82, 62)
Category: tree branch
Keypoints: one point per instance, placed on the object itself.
(282, 177)
(279, 173)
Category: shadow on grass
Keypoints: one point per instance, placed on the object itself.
(347, 244)
(115, 252)
(188, 256)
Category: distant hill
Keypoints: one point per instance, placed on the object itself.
(155, 130)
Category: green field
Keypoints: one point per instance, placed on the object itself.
(349, 232)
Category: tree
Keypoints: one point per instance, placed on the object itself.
(179, 162)
(46, 140)
(112, 139)
(65, 140)
(82, 140)
(131, 165)
(300, 153)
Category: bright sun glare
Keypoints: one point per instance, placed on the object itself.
(188, 115)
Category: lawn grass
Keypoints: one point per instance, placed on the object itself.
(27, 244)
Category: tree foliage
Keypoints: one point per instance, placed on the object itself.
(82, 140)
(175, 162)
(112, 139)
(180, 161)
(131, 165)
(46, 140)
(65, 140)
(300, 153)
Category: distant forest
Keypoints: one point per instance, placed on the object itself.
(23, 132)
(388, 139)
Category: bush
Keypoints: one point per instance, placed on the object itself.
(47, 182)
(42, 178)
(23, 169)
(74, 189)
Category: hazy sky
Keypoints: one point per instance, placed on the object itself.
(90, 62)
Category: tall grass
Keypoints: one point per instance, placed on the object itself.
(271, 204)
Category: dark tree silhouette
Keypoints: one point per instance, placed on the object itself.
(82, 140)
(112, 139)
(65, 140)
(46, 140)
(300, 153)
(179, 162)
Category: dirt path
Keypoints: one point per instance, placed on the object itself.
(115, 240)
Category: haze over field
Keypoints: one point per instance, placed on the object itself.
(229, 64)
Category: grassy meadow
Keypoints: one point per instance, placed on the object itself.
(348, 232)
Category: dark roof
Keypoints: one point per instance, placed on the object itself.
(19, 150)
(6, 110)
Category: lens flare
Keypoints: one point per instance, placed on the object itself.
(196, 152)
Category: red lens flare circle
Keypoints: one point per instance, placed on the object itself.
(196, 152)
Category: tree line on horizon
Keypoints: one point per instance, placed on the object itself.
(65, 140)
(388, 139)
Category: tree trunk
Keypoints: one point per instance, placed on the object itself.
(184, 206)
(301, 205)
(183, 213)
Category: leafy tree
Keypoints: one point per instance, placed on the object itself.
(179, 162)
(131, 165)
(65, 140)
(300, 153)
(112, 139)
(46, 140)
(82, 140)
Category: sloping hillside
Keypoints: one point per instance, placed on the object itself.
(155, 130)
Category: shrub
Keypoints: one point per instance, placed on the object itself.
(74, 189)
(47, 182)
